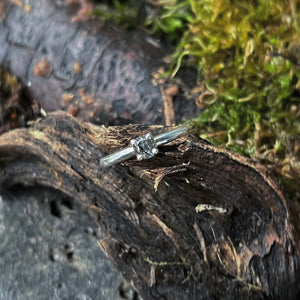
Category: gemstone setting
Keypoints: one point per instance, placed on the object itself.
(144, 146)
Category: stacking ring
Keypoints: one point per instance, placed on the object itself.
(143, 147)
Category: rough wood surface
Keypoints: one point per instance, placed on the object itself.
(195, 222)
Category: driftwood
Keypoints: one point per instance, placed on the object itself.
(195, 222)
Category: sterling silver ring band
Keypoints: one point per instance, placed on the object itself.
(143, 147)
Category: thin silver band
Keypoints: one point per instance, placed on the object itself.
(130, 151)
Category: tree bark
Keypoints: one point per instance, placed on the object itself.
(194, 222)
(100, 73)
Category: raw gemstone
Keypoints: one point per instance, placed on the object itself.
(144, 146)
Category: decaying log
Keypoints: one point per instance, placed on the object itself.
(195, 222)
(93, 70)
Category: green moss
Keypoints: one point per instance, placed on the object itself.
(247, 56)
(169, 19)
(125, 14)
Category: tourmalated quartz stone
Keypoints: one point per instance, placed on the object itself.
(144, 146)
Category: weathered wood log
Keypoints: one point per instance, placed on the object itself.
(195, 222)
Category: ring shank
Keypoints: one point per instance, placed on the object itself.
(117, 157)
(169, 136)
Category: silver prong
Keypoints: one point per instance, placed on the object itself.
(139, 157)
(154, 151)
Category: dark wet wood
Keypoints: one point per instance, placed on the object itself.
(160, 230)
(97, 72)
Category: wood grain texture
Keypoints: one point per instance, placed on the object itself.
(243, 247)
